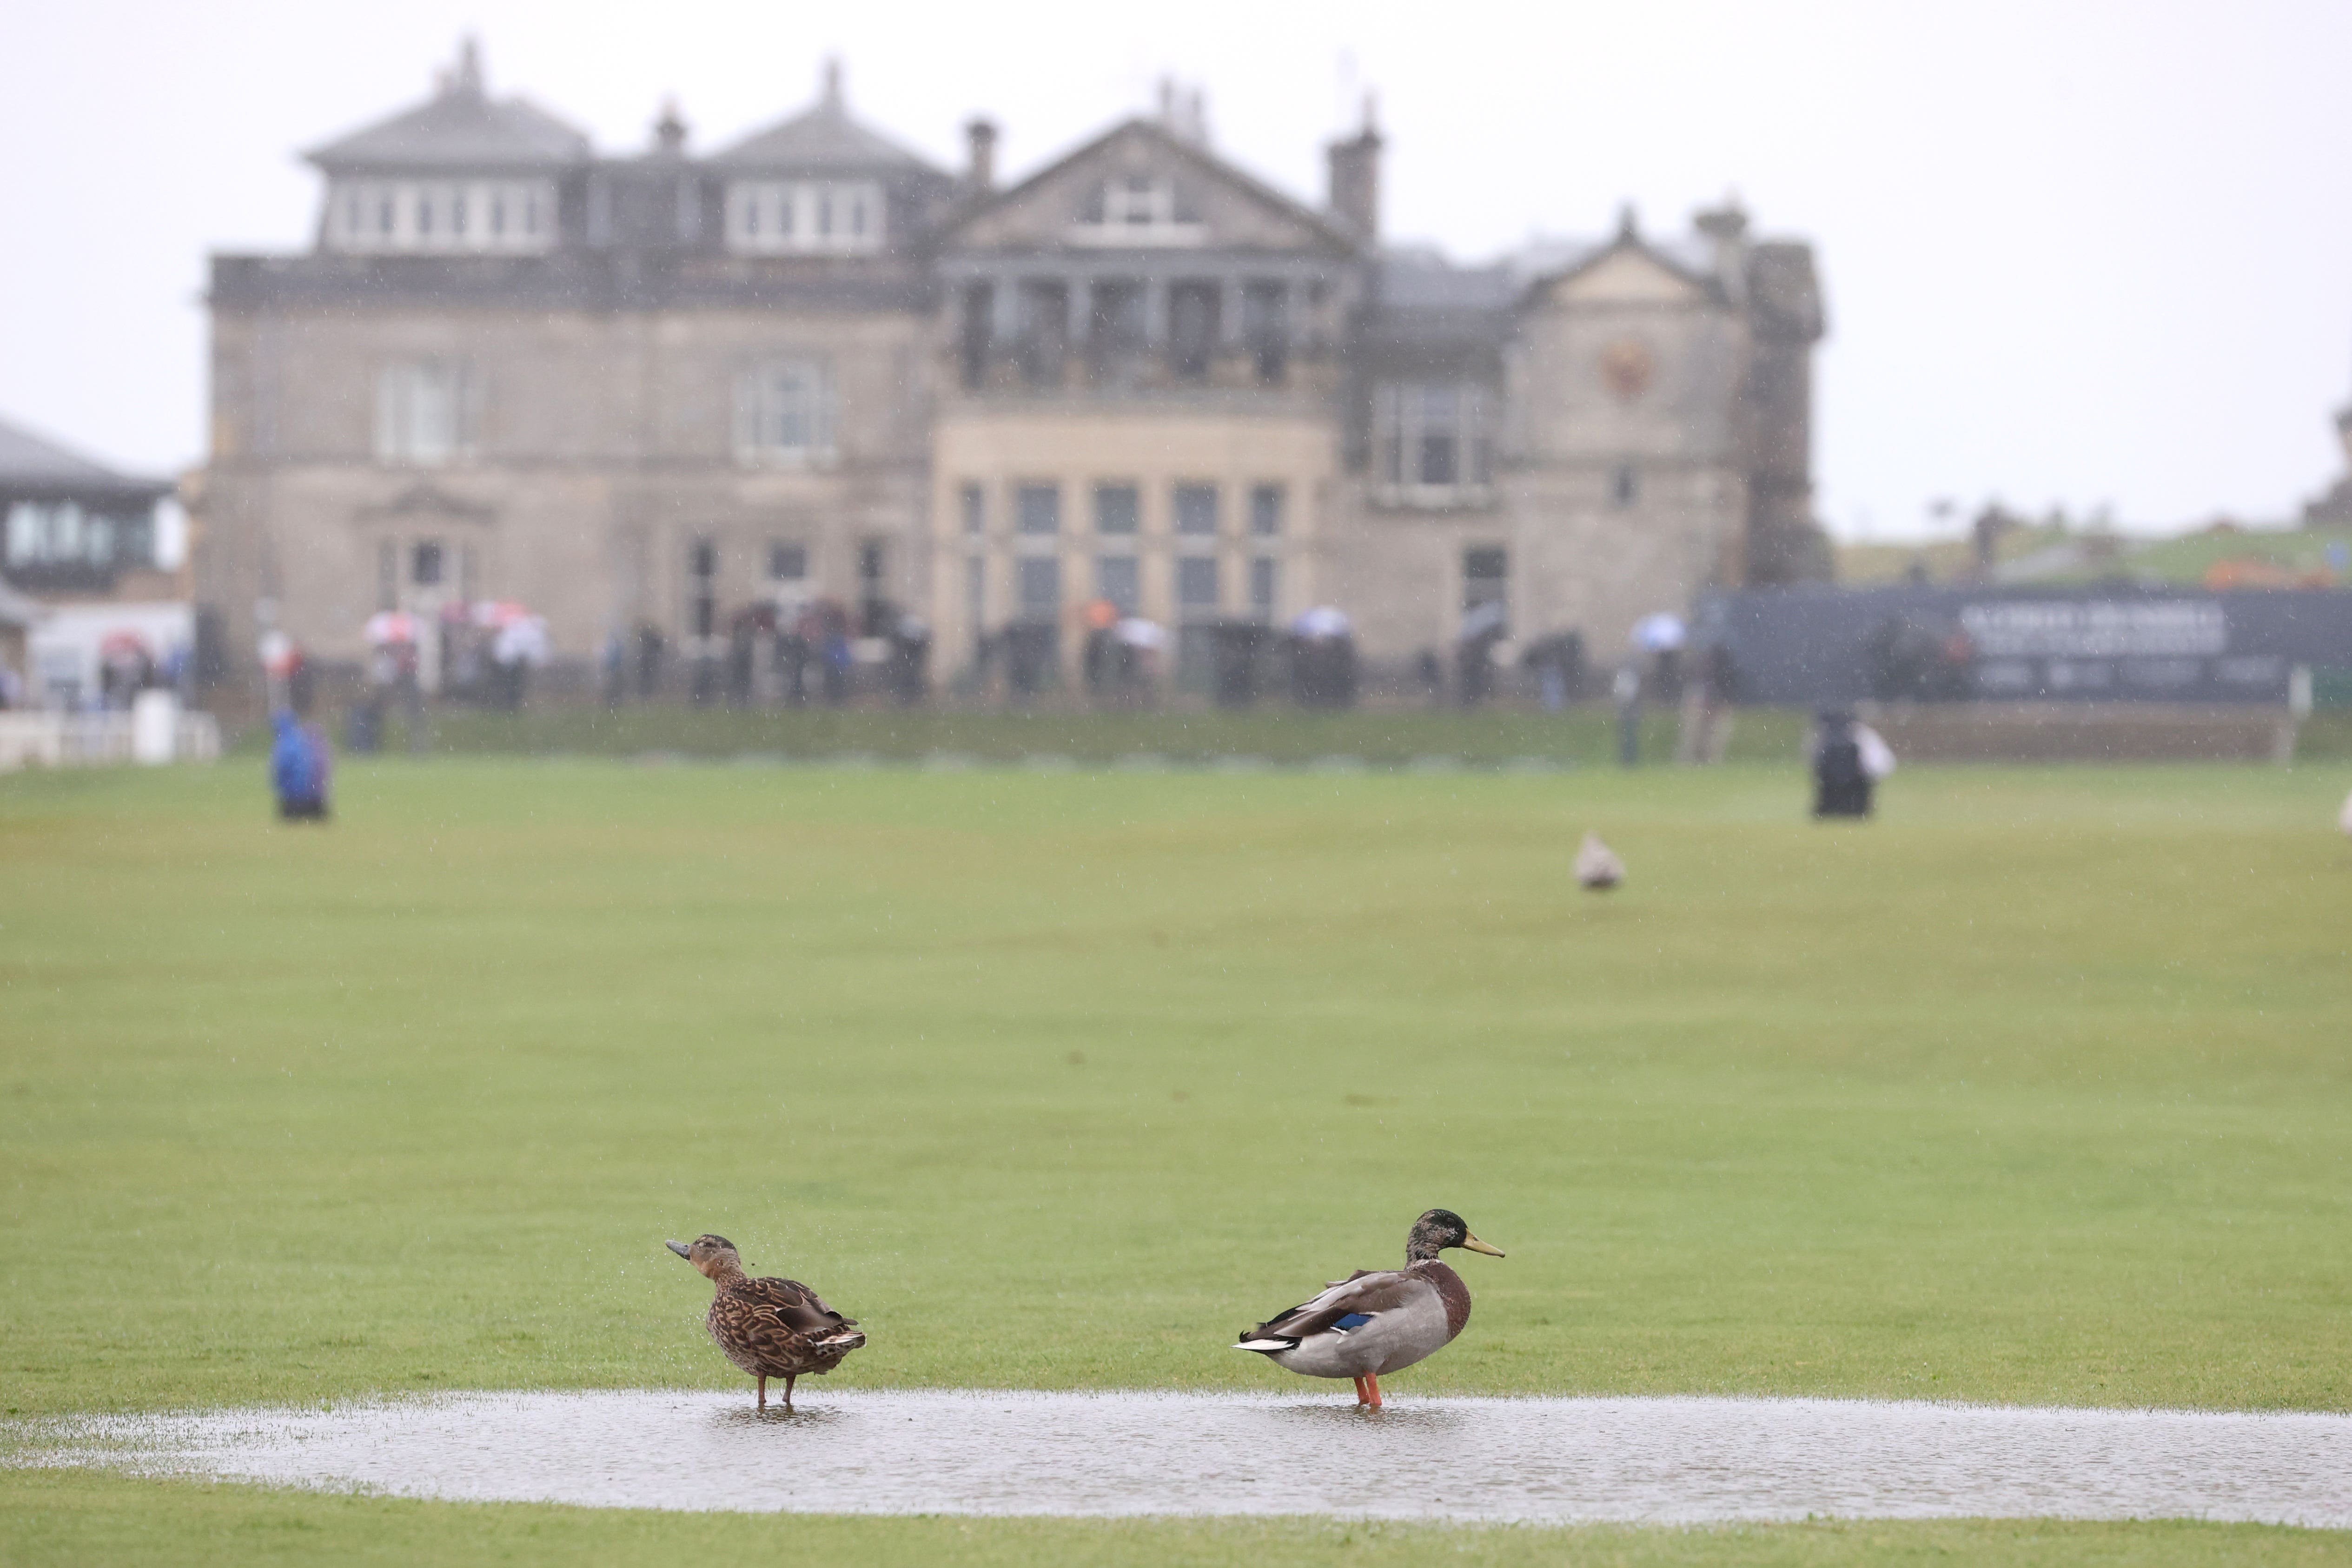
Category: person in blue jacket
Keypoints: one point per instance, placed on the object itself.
(298, 770)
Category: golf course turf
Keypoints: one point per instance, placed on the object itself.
(2035, 1089)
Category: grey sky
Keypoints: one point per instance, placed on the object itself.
(2083, 253)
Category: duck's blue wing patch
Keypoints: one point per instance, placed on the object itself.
(1353, 1321)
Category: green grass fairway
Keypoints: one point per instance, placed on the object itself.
(2037, 1089)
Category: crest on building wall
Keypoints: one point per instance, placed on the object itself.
(1627, 368)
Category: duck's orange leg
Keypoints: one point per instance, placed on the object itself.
(1360, 1396)
(763, 1391)
(790, 1378)
(1373, 1385)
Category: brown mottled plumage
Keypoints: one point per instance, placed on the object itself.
(769, 1328)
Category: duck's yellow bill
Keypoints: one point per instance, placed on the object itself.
(1475, 1245)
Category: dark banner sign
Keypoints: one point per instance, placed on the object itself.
(1812, 645)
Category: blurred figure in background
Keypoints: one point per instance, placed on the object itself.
(833, 650)
(125, 668)
(1474, 652)
(520, 642)
(1099, 658)
(1848, 760)
(1323, 659)
(1625, 690)
(613, 670)
(1706, 717)
(744, 634)
(1135, 662)
(299, 769)
(795, 646)
(1429, 674)
(1558, 663)
(649, 659)
(910, 656)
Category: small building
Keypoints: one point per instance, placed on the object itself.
(79, 542)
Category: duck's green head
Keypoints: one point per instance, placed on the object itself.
(714, 1255)
(1436, 1231)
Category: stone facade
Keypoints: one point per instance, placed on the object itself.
(652, 391)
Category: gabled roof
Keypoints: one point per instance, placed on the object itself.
(28, 461)
(822, 138)
(1573, 259)
(1692, 266)
(1187, 150)
(460, 127)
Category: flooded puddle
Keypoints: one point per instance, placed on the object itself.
(1676, 1461)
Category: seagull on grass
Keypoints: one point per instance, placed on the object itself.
(1597, 869)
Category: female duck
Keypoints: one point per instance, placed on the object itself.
(769, 1328)
(1372, 1323)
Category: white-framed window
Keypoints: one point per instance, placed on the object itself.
(783, 414)
(793, 217)
(1138, 210)
(426, 412)
(1431, 439)
(442, 217)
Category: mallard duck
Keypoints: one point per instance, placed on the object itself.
(769, 1328)
(1378, 1321)
(1597, 869)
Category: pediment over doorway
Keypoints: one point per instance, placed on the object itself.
(426, 500)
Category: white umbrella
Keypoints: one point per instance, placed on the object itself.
(1659, 633)
(1137, 632)
(1323, 621)
(522, 640)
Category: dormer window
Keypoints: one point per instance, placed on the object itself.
(1139, 199)
(1138, 210)
(441, 218)
(805, 216)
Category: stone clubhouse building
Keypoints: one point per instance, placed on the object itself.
(650, 391)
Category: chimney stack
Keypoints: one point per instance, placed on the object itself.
(979, 140)
(1355, 177)
(669, 131)
(1727, 226)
